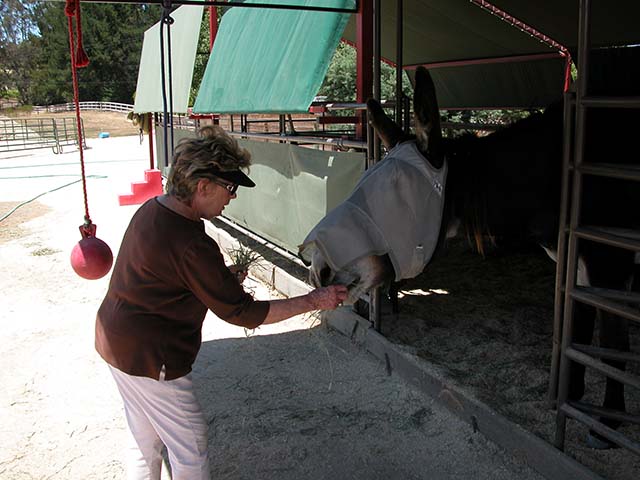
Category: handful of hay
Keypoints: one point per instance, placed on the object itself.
(243, 257)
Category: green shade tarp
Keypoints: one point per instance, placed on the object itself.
(295, 187)
(270, 60)
(184, 41)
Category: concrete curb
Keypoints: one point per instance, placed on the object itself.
(520, 443)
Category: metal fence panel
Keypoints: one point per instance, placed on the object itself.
(30, 134)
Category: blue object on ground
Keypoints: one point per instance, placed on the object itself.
(103, 135)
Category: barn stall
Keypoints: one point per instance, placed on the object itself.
(485, 325)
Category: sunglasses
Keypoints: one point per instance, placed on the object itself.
(232, 188)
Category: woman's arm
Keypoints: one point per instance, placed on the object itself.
(324, 298)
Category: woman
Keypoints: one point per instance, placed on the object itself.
(167, 274)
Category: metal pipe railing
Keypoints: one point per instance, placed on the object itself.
(339, 143)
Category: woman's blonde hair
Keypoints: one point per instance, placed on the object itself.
(196, 158)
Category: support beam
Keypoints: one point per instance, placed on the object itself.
(364, 60)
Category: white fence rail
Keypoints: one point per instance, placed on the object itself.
(101, 106)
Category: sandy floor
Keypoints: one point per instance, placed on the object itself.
(487, 324)
(287, 402)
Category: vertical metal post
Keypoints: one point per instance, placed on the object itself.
(399, 61)
(373, 142)
(567, 132)
(377, 15)
(57, 148)
(572, 252)
(364, 54)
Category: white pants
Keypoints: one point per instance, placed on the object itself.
(163, 412)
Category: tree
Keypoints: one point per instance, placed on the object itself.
(202, 54)
(112, 38)
(17, 52)
(340, 82)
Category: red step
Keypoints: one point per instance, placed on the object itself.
(143, 191)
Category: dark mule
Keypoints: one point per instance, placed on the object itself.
(498, 189)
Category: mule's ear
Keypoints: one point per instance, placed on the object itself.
(427, 118)
(387, 130)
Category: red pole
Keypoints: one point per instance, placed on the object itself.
(364, 60)
(213, 32)
(213, 26)
(150, 120)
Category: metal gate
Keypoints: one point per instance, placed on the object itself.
(29, 134)
(620, 303)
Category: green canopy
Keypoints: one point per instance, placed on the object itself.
(270, 60)
(184, 40)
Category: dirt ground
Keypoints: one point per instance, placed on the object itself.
(289, 401)
(488, 325)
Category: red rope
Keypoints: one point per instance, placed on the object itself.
(73, 8)
(81, 57)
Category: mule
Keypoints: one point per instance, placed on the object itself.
(492, 189)
(500, 188)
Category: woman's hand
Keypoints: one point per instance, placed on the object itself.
(324, 298)
(328, 298)
(240, 271)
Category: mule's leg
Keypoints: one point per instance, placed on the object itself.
(427, 118)
(390, 133)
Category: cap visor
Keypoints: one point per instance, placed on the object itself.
(236, 176)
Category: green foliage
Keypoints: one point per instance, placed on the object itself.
(10, 93)
(482, 117)
(17, 27)
(340, 82)
(340, 86)
(202, 55)
(112, 38)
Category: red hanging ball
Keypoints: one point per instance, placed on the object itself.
(91, 258)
